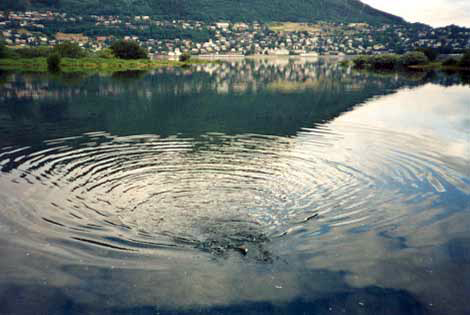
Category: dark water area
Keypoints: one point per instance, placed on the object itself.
(277, 186)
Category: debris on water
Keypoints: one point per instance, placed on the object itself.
(243, 250)
(311, 217)
(224, 237)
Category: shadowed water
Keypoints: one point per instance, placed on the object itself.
(247, 187)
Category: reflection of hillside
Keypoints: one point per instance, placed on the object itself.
(242, 96)
(291, 86)
(241, 76)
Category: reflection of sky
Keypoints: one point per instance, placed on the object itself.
(422, 236)
(442, 113)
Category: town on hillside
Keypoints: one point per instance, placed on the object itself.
(175, 37)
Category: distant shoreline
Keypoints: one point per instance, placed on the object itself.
(228, 56)
(414, 60)
(114, 64)
(91, 64)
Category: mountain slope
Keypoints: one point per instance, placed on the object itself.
(211, 10)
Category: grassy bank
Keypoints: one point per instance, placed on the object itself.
(440, 66)
(87, 63)
(411, 60)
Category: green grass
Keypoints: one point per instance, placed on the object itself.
(410, 60)
(440, 66)
(98, 64)
(29, 65)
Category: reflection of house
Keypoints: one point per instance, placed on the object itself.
(71, 37)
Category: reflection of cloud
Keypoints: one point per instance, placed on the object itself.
(420, 238)
(428, 261)
(327, 294)
(433, 111)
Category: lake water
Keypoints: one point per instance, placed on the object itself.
(276, 186)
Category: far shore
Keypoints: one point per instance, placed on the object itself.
(115, 64)
(414, 60)
(90, 64)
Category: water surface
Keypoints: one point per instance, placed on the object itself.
(246, 187)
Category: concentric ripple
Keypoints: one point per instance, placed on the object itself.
(220, 193)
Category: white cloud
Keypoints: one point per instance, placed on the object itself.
(433, 12)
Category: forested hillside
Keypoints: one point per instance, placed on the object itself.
(212, 10)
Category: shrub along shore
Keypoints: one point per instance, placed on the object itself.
(411, 60)
(69, 57)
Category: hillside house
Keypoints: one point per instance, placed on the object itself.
(80, 38)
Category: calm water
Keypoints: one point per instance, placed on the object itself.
(246, 187)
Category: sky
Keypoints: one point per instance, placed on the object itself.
(433, 12)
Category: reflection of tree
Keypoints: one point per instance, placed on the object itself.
(465, 77)
(69, 78)
(50, 111)
(53, 111)
(4, 76)
(129, 75)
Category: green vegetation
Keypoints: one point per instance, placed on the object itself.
(128, 50)
(3, 50)
(71, 57)
(105, 54)
(415, 60)
(87, 26)
(53, 62)
(29, 52)
(64, 50)
(385, 61)
(465, 60)
(69, 50)
(450, 62)
(360, 62)
(92, 64)
(185, 57)
(204, 10)
(431, 53)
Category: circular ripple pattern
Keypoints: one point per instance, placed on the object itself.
(219, 192)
